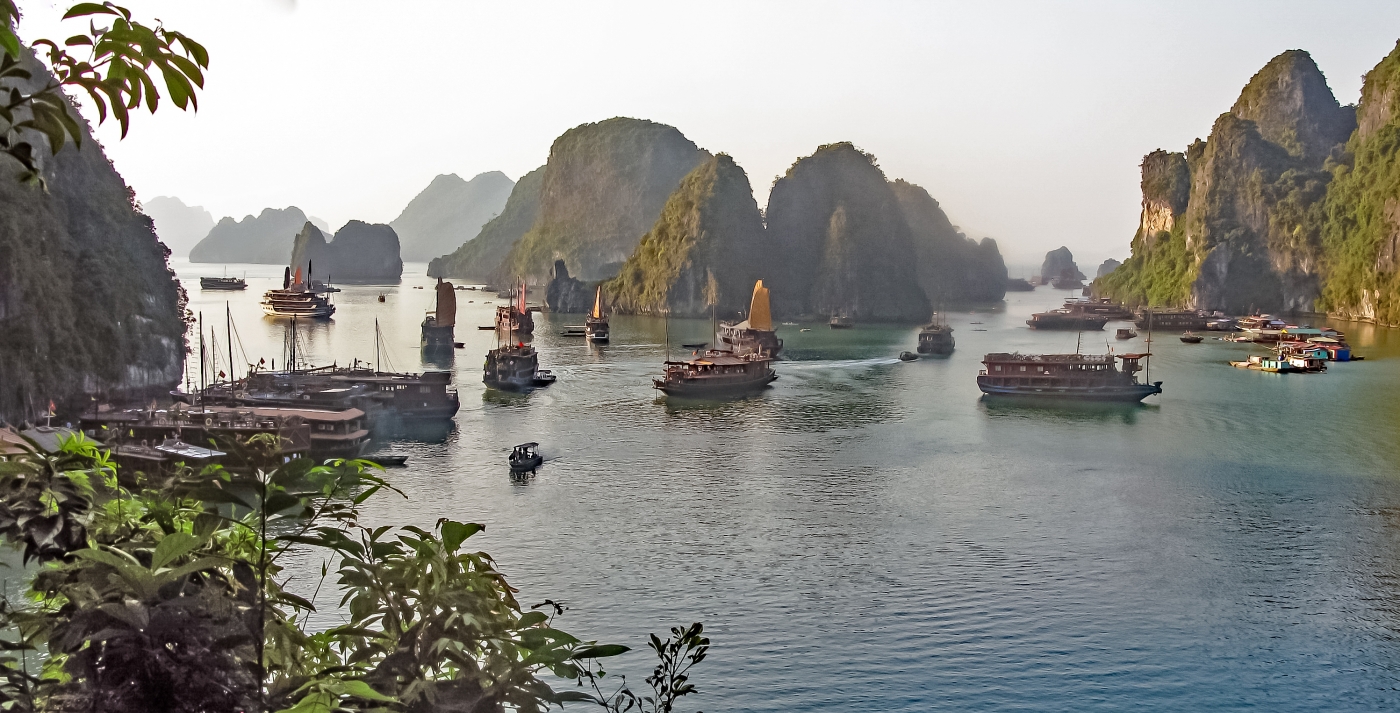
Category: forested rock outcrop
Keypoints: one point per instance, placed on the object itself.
(449, 212)
(480, 258)
(1235, 222)
(358, 251)
(87, 302)
(708, 243)
(265, 238)
(1361, 230)
(179, 226)
(603, 187)
(1107, 267)
(845, 246)
(952, 268)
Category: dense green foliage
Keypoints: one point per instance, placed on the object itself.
(1159, 273)
(709, 229)
(166, 593)
(480, 258)
(846, 247)
(1361, 223)
(449, 212)
(604, 185)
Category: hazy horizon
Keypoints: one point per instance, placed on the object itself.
(1026, 121)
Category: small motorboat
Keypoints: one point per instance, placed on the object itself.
(1125, 333)
(524, 458)
(695, 345)
(1190, 338)
(381, 297)
(389, 461)
(804, 329)
(908, 356)
(459, 345)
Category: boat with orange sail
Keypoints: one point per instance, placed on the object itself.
(755, 335)
(595, 327)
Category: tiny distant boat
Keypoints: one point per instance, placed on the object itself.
(571, 330)
(381, 297)
(389, 461)
(804, 329)
(908, 356)
(695, 345)
(1125, 333)
(222, 283)
(524, 458)
(595, 326)
(838, 322)
(1191, 338)
(487, 328)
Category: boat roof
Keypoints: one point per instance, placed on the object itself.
(531, 444)
(717, 360)
(1050, 358)
(180, 448)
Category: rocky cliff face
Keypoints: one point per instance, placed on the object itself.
(358, 252)
(1107, 267)
(709, 238)
(87, 303)
(265, 238)
(565, 293)
(179, 226)
(603, 187)
(1247, 236)
(846, 247)
(480, 258)
(449, 212)
(1059, 263)
(953, 269)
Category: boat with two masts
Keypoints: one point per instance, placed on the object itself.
(1078, 377)
(514, 318)
(595, 326)
(1064, 319)
(438, 329)
(936, 338)
(755, 335)
(513, 365)
(296, 299)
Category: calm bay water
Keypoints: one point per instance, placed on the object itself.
(872, 535)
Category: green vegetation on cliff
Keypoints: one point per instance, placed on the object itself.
(604, 186)
(480, 258)
(844, 241)
(710, 226)
(1361, 231)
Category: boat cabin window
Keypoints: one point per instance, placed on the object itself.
(1023, 368)
(998, 367)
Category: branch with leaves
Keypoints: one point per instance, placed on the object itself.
(119, 64)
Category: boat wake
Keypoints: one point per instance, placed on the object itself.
(842, 364)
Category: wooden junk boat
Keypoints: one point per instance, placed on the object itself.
(1067, 319)
(755, 335)
(438, 325)
(716, 374)
(1079, 377)
(595, 326)
(840, 322)
(515, 366)
(936, 338)
(514, 318)
(222, 283)
(296, 299)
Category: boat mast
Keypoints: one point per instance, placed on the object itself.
(1149, 346)
(201, 359)
(228, 328)
(376, 346)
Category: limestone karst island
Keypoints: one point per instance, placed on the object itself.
(465, 358)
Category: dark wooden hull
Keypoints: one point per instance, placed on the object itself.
(1124, 393)
(1075, 323)
(708, 388)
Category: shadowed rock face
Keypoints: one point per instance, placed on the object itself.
(1248, 235)
(952, 268)
(709, 238)
(845, 245)
(1059, 263)
(603, 187)
(449, 212)
(566, 294)
(87, 302)
(480, 258)
(1107, 268)
(359, 251)
(265, 238)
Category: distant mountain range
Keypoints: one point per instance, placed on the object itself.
(449, 212)
(179, 226)
(265, 238)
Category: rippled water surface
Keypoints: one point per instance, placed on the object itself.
(872, 535)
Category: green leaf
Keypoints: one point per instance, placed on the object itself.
(600, 651)
(454, 533)
(533, 618)
(360, 689)
(89, 8)
(172, 547)
(315, 702)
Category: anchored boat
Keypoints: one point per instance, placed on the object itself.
(1067, 320)
(222, 283)
(438, 325)
(296, 299)
(595, 327)
(756, 334)
(717, 374)
(1081, 377)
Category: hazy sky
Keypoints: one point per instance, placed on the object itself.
(1027, 121)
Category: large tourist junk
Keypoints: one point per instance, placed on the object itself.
(1080, 377)
(514, 365)
(755, 334)
(438, 325)
(296, 298)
